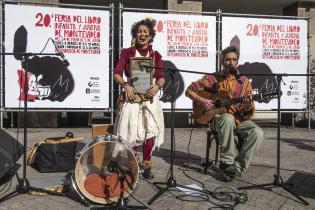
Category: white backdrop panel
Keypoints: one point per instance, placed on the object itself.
(271, 46)
(83, 36)
(185, 42)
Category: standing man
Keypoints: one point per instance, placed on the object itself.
(237, 117)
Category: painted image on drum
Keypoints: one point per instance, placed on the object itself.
(103, 163)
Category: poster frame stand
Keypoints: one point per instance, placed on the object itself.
(109, 109)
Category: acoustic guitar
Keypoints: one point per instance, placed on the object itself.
(222, 100)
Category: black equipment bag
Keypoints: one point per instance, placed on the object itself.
(54, 154)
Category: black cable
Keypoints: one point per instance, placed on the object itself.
(204, 197)
(138, 200)
(3, 191)
(217, 205)
(221, 196)
(174, 152)
(188, 146)
(45, 45)
(222, 206)
(134, 197)
(168, 174)
(17, 133)
(200, 182)
(180, 157)
(18, 121)
(201, 196)
(18, 115)
(174, 155)
(224, 195)
(229, 196)
(189, 158)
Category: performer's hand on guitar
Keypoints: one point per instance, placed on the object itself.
(207, 104)
(130, 92)
(247, 106)
(152, 91)
(245, 110)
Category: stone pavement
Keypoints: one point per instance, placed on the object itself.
(297, 166)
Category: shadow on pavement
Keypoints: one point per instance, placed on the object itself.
(300, 143)
(185, 163)
(303, 184)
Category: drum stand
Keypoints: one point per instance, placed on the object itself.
(121, 203)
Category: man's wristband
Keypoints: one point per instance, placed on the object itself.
(124, 84)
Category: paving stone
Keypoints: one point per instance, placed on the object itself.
(297, 165)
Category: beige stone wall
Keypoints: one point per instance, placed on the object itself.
(303, 13)
(311, 14)
(195, 6)
(312, 31)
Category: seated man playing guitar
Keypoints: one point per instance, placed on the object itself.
(232, 117)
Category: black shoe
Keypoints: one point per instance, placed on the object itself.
(232, 171)
(147, 174)
(224, 166)
(227, 178)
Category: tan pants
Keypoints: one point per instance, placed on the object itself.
(251, 134)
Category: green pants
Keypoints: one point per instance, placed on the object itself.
(251, 134)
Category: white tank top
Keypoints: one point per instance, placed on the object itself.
(138, 54)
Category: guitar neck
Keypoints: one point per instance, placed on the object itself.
(228, 102)
(222, 99)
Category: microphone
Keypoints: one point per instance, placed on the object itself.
(20, 42)
(64, 60)
(233, 71)
(113, 166)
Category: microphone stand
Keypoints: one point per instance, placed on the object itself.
(278, 181)
(171, 182)
(23, 186)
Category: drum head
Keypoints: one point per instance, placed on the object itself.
(96, 161)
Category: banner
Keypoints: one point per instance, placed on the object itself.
(78, 78)
(186, 42)
(271, 46)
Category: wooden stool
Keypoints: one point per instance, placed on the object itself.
(211, 135)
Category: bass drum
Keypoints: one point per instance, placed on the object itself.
(96, 161)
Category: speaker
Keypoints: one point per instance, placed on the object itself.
(10, 151)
